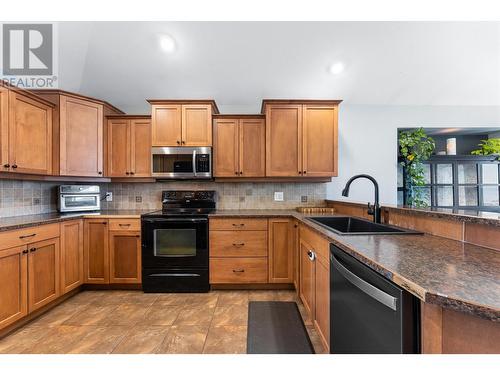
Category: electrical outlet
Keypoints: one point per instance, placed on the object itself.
(278, 196)
(138, 199)
(36, 201)
(109, 196)
(303, 198)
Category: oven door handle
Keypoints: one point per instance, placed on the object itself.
(178, 220)
(194, 163)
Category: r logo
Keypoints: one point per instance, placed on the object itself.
(27, 49)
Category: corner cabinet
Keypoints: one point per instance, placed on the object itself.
(25, 132)
(301, 138)
(182, 123)
(129, 146)
(239, 146)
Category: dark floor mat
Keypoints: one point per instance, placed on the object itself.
(276, 328)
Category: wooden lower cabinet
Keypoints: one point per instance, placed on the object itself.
(322, 301)
(96, 251)
(296, 256)
(13, 285)
(307, 278)
(281, 249)
(72, 268)
(124, 257)
(43, 273)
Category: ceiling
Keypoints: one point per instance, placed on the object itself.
(239, 63)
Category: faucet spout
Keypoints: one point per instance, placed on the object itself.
(372, 210)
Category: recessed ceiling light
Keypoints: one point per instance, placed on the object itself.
(167, 43)
(336, 68)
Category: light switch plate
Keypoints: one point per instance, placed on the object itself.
(109, 196)
(278, 196)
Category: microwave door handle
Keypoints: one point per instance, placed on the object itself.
(194, 163)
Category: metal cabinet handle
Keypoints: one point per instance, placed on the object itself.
(127, 173)
(132, 173)
(239, 244)
(236, 172)
(194, 163)
(183, 142)
(239, 271)
(27, 236)
(14, 166)
(300, 172)
(6, 165)
(124, 225)
(239, 225)
(241, 172)
(33, 249)
(367, 288)
(312, 255)
(99, 172)
(178, 142)
(304, 172)
(25, 251)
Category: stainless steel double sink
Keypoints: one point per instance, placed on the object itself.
(346, 225)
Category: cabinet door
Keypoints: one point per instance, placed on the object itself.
(13, 285)
(125, 257)
(81, 134)
(196, 125)
(226, 148)
(4, 129)
(296, 257)
(140, 152)
(30, 135)
(96, 251)
(118, 148)
(319, 139)
(322, 302)
(71, 255)
(307, 278)
(166, 125)
(252, 150)
(280, 251)
(43, 273)
(283, 140)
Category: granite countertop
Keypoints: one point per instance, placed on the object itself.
(445, 272)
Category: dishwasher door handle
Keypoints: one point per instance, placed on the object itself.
(367, 288)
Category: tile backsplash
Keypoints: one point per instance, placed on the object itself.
(28, 197)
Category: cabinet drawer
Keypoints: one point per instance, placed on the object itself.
(320, 245)
(238, 224)
(238, 270)
(125, 224)
(28, 235)
(238, 243)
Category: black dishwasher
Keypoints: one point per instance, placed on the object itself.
(368, 313)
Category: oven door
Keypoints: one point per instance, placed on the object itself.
(175, 242)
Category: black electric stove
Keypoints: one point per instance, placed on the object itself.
(175, 243)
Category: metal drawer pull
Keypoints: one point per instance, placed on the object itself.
(367, 288)
(239, 225)
(124, 225)
(33, 249)
(239, 244)
(27, 236)
(312, 255)
(175, 274)
(239, 271)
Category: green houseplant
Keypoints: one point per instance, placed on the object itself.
(488, 147)
(415, 146)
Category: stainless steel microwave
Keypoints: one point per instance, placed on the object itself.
(74, 198)
(181, 162)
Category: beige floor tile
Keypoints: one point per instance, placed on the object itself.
(100, 340)
(262, 295)
(286, 295)
(59, 339)
(233, 298)
(22, 339)
(161, 315)
(184, 340)
(87, 297)
(127, 315)
(230, 315)
(142, 340)
(174, 299)
(226, 340)
(195, 316)
(202, 299)
(137, 297)
(58, 315)
(92, 316)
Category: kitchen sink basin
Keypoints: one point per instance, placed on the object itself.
(351, 225)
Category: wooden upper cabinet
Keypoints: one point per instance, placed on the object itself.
(43, 270)
(81, 131)
(71, 255)
(13, 285)
(252, 147)
(4, 129)
(239, 147)
(182, 122)
(197, 125)
(319, 140)
(167, 124)
(281, 251)
(301, 138)
(226, 150)
(283, 140)
(140, 143)
(30, 135)
(129, 146)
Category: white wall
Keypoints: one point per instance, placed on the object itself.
(368, 142)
